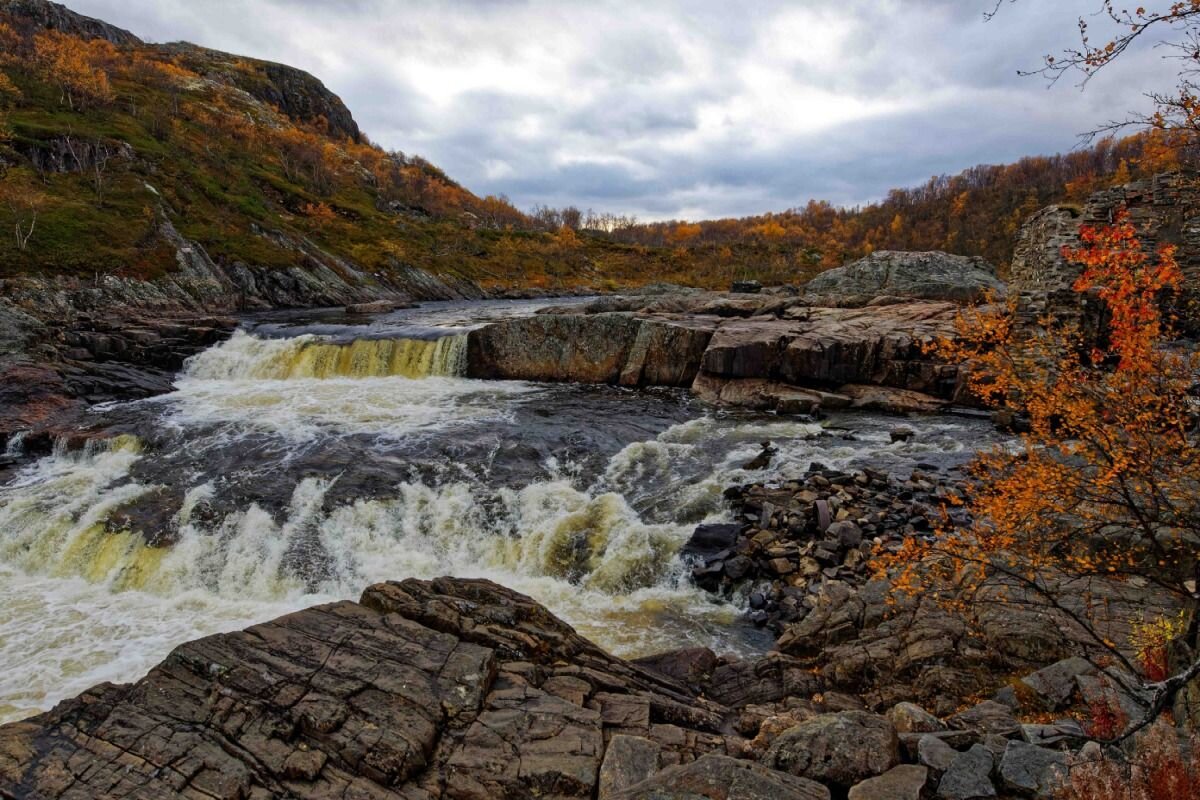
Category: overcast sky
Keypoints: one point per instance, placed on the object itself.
(677, 109)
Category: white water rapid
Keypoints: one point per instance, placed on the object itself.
(296, 471)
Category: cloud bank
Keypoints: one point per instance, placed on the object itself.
(688, 109)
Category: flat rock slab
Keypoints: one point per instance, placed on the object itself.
(752, 351)
(423, 690)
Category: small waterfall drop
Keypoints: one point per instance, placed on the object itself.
(248, 357)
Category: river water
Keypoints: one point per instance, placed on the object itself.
(313, 454)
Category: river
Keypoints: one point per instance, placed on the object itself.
(313, 453)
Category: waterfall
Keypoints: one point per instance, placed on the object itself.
(247, 357)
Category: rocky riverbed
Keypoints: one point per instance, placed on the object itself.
(700, 481)
(464, 689)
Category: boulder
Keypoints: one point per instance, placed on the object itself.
(986, 717)
(840, 749)
(1055, 685)
(905, 782)
(969, 776)
(934, 753)
(716, 777)
(1063, 731)
(1032, 771)
(911, 718)
(711, 538)
(923, 276)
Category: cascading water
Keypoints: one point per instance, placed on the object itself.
(307, 356)
(286, 472)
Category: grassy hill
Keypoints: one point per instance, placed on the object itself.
(104, 139)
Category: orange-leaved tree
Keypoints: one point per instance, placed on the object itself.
(1091, 519)
(73, 64)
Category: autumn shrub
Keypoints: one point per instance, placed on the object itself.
(1162, 765)
(1101, 493)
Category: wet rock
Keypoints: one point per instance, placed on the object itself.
(969, 776)
(902, 434)
(377, 307)
(716, 777)
(711, 538)
(764, 395)
(905, 782)
(1032, 771)
(840, 749)
(890, 400)
(763, 459)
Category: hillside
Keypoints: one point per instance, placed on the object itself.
(116, 153)
(108, 140)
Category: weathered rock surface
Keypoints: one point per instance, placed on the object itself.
(905, 782)
(840, 749)
(1032, 771)
(443, 689)
(1163, 209)
(904, 275)
(600, 348)
(969, 776)
(715, 777)
(745, 350)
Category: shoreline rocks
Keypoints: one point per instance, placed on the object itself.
(816, 534)
(458, 689)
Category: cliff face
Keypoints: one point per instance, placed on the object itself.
(298, 94)
(1164, 209)
(54, 16)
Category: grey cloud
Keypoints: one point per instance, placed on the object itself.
(700, 106)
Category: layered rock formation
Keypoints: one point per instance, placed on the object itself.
(462, 689)
(905, 276)
(1164, 209)
(748, 350)
(1164, 212)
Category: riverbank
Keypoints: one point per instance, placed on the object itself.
(463, 689)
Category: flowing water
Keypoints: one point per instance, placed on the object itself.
(311, 455)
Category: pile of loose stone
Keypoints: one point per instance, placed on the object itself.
(790, 540)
